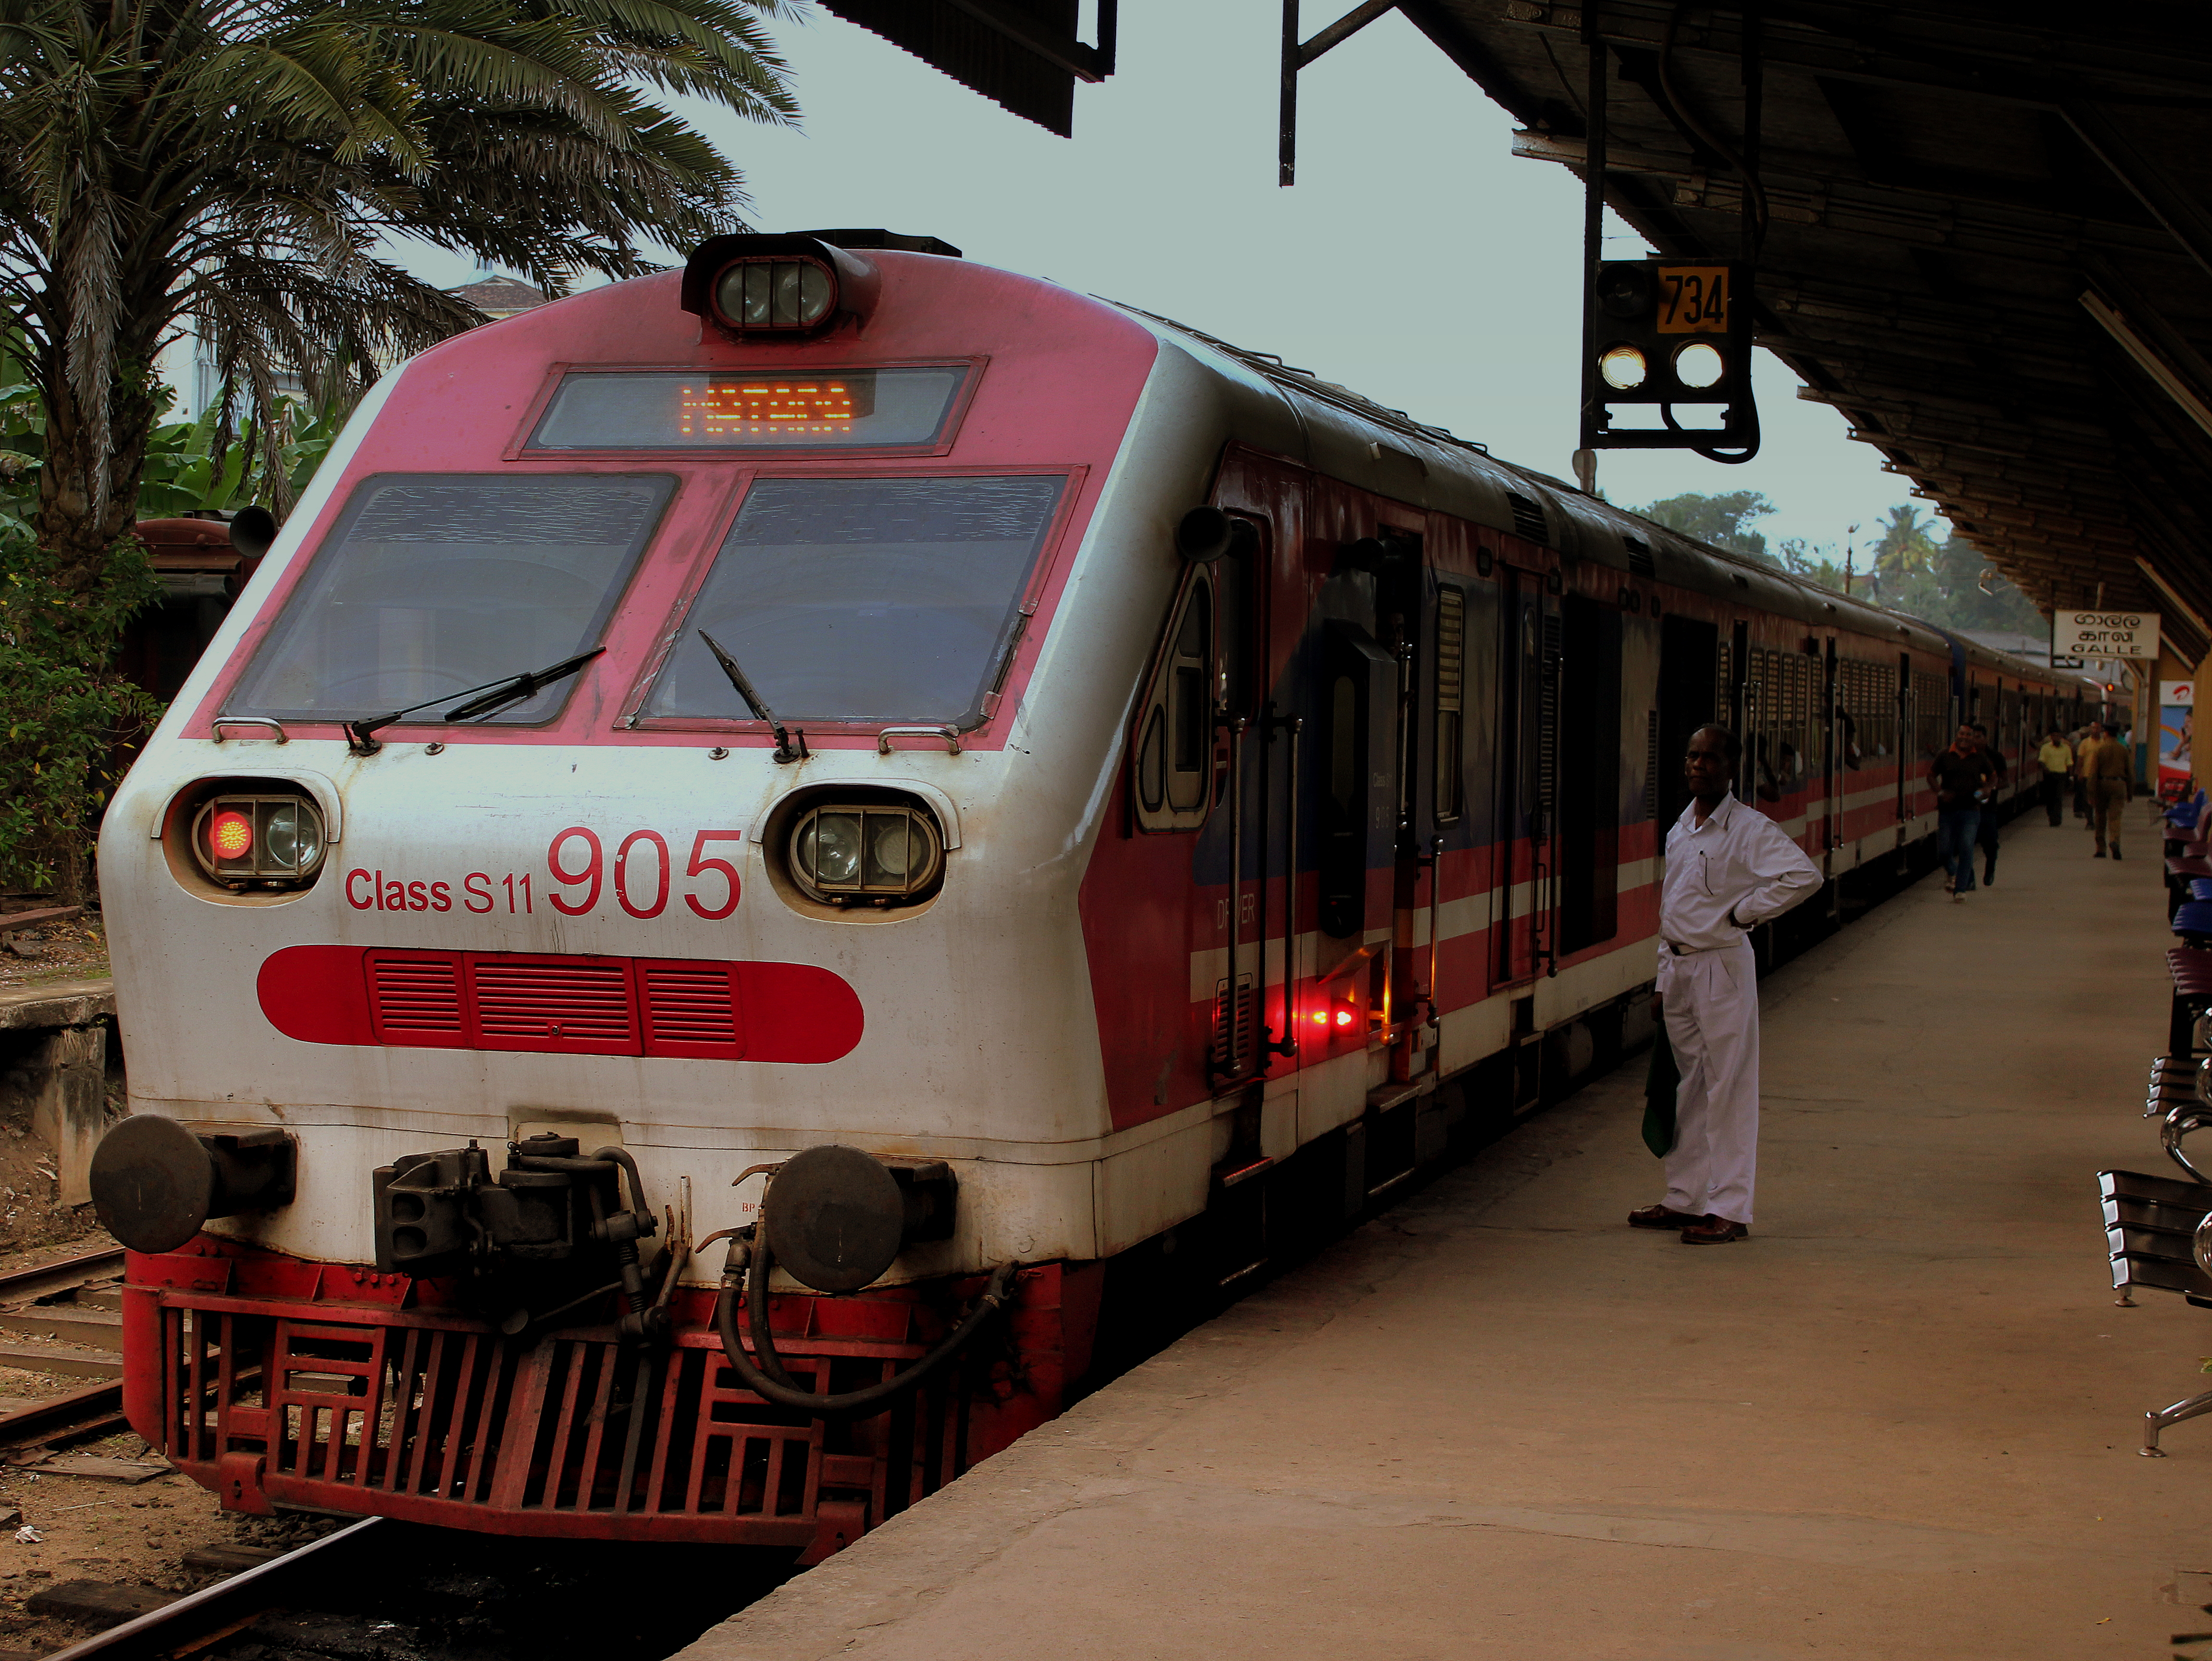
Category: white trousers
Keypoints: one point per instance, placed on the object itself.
(1711, 1006)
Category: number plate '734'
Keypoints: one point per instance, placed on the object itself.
(1693, 299)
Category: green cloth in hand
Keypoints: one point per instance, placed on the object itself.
(1659, 1087)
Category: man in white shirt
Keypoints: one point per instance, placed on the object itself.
(1728, 869)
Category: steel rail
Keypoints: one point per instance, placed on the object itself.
(81, 1409)
(27, 1283)
(226, 1606)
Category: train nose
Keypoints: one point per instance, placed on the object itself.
(154, 1183)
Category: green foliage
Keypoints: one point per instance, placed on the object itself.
(196, 466)
(1948, 590)
(63, 710)
(1724, 521)
(1904, 569)
(235, 170)
(1904, 549)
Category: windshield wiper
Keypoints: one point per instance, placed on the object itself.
(488, 699)
(784, 751)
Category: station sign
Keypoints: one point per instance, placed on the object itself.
(2103, 635)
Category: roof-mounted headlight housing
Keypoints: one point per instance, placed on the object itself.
(765, 288)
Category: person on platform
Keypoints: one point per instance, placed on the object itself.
(1985, 834)
(1728, 869)
(2078, 739)
(1960, 777)
(2057, 757)
(2105, 767)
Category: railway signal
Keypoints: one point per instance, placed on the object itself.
(1670, 336)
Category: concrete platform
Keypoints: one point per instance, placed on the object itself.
(1900, 1422)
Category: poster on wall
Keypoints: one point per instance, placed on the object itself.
(2177, 733)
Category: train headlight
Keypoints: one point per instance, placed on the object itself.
(829, 849)
(294, 836)
(874, 854)
(768, 296)
(258, 838)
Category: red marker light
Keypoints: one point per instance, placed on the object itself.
(231, 835)
(1344, 1017)
(1321, 1018)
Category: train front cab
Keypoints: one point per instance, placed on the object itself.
(577, 919)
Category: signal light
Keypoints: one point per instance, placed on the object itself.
(276, 840)
(1623, 368)
(231, 835)
(1698, 366)
(1670, 335)
(1344, 1017)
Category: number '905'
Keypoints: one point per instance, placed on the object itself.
(644, 871)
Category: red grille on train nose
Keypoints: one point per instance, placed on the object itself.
(417, 998)
(697, 1008)
(581, 1004)
(690, 1007)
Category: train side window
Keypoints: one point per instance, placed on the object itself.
(1174, 725)
(1451, 690)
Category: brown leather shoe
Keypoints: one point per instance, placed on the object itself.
(1714, 1230)
(1658, 1216)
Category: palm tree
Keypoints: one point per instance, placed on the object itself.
(238, 164)
(1905, 547)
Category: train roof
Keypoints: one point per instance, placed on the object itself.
(1462, 477)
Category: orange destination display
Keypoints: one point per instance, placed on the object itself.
(768, 408)
(605, 410)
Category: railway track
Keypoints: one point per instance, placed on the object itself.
(377, 1589)
(66, 1319)
(198, 1620)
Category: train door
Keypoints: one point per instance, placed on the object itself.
(1587, 787)
(1908, 739)
(1828, 712)
(1528, 673)
(1689, 693)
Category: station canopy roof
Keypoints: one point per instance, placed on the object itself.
(1988, 240)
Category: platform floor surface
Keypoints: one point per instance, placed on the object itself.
(1900, 1422)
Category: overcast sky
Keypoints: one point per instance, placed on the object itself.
(1416, 260)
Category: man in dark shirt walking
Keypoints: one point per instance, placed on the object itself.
(1960, 777)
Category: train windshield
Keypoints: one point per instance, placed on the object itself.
(864, 599)
(428, 586)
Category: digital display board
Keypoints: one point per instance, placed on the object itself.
(770, 409)
(679, 409)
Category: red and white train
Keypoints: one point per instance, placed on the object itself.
(1023, 787)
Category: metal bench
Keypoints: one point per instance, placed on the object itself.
(2157, 1230)
(2190, 967)
(2175, 1080)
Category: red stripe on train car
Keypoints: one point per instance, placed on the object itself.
(699, 1008)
